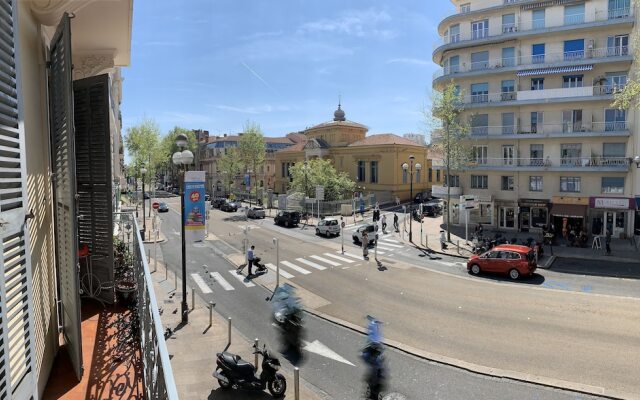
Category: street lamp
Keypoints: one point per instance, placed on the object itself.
(182, 159)
(143, 171)
(636, 160)
(410, 168)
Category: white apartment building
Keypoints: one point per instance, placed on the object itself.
(537, 79)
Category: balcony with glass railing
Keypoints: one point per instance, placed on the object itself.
(526, 27)
(578, 164)
(599, 55)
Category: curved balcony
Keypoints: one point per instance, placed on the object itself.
(575, 164)
(501, 32)
(551, 130)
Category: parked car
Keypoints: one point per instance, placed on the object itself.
(229, 206)
(163, 208)
(175, 191)
(217, 202)
(146, 196)
(255, 212)
(422, 197)
(207, 197)
(370, 228)
(287, 218)
(328, 227)
(511, 259)
(431, 209)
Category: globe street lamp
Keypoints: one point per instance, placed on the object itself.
(143, 171)
(182, 159)
(410, 168)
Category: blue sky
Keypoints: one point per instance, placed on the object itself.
(216, 64)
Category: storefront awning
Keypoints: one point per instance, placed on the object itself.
(569, 210)
(555, 70)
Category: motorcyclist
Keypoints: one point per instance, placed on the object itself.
(372, 354)
(288, 315)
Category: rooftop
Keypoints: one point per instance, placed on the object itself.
(384, 139)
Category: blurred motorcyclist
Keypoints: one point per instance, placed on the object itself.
(372, 354)
(288, 316)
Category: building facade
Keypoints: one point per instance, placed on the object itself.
(537, 80)
(373, 162)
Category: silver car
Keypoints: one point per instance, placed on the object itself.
(328, 227)
(255, 212)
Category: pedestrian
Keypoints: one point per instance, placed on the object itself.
(607, 242)
(365, 245)
(250, 257)
(384, 223)
(397, 201)
(443, 240)
(395, 222)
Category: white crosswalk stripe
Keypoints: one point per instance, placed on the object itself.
(284, 274)
(357, 257)
(324, 260)
(223, 282)
(241, 278)
(201, 284)
(311, 264)
(295, 267)
(339, 258)
(389, 240)
(385, 248)
(397, 246)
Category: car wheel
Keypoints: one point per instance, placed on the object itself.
(286, 224)
(317, 231)
(514, 274)
(475, 269)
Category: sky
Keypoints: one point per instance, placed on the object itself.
(284, 64)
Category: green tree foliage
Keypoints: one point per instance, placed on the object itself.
(143, 145)
(449, 135)
(629, 96)
(231, 166)
(319, 172)
(252, 151)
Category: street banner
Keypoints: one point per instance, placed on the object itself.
(194, 214)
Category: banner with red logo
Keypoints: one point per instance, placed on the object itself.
(194, 218)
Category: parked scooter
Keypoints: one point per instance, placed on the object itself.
(235, 373)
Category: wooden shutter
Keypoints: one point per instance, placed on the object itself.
(64, 189)
(93, 178)
(17, 380)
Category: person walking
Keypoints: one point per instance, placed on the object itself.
(250, 256)
(395, 222)
(365, 245)
(607, 241)
(443, 240)
(384, 224)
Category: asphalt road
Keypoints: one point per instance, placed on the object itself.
(411, 377)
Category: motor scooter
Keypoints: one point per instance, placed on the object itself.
(235, 373)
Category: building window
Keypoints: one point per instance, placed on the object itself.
(480, 154)
(536, 154)
(361, 174)
(479, 182)
(571, 121)
(613, 185)
(430, 175)
(535, 184)
(479, 60)
(572, 81)
(509, 23)
(537, 83)
(438, 175)
(537, 53)
(465, 8)
(617, 45)
(573, 49)
(508, 57)
(374, 171)
(615, 120)
(283, 169)
(508, 155)
(418, 175)
(508, 123)
(480, 124)
(454, 33)
(480, 29)
(537, 119)
(537, 19)
(454, 65)
(570, 154)
(574, 14)
(619, 8)
(507, 183)
(570, 184)
(455, 181)
(479, 92)
(404, 176)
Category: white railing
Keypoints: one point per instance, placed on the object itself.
(546, 162)
(479, 33)
(550, 128)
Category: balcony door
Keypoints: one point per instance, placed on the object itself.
(571, 121)
(480, 29)
(615, 120)
(618, 45)
(508, 155)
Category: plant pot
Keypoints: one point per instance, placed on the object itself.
(125, 288)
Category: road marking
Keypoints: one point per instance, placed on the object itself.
(218, 278)
(324, 260)
(201, 284)
(295, 267)
(320, 349)
(339, 258)
(357, 257)
(284, 274)
(397, 246)
(390, 240)
(241, 278)
(385, 248)
(311, 264)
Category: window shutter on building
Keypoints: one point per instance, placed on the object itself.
(64, 188)
(17, 371)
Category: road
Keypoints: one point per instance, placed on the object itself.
(350, 291)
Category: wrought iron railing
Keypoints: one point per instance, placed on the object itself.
(158, 376)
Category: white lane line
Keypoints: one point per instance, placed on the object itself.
(324, 260)
(241, 278)
(311, 264)
(201, 284)
(295, 267)
(339, 258)
(397, 246)
(284, 274)
(357, 257)
(223, 282)
(390, 240)
(385, 248)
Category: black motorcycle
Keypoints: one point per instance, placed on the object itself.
(288, 317)
(236, 373)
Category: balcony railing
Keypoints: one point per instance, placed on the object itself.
(534, 60)
(550, 128)
(566, 162)
(158, 376)
(544, 94)
(533, 25)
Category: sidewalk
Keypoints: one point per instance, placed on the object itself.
(193, 347)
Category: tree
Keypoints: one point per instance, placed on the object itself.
(320, 172)
(143, 145)
(230, 165)
(252, 151)
(450, 135)
(629, 96)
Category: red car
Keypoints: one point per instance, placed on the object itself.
(511, 259)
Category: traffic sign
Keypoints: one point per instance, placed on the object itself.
(155, 205)
(320, 193)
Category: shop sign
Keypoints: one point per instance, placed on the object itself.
(611, 203)
(533, 203)
(583, 201)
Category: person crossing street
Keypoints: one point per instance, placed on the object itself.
(365, 245)
(384, 224)
(395, 222)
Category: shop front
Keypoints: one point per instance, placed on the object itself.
(534, 214)
(482, 215)
(617, 214)
(568, 213)
(507, 214)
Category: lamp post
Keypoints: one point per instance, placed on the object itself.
(143, 171)
(409, 167)
(182, 159)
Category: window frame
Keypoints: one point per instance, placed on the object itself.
(536, 183)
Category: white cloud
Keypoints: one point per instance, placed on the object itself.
(413, 61)
(360, 23)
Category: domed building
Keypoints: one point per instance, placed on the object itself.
(374, 162)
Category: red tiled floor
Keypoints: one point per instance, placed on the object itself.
(113, 367)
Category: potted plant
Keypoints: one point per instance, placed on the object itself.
(125, 280)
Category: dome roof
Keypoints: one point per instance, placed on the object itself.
(338, 115)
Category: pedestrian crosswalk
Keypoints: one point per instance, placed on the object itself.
(290, 269)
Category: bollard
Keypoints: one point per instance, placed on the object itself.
(166, 272)
(193, 299)
(148, 256)
(458, 245)
(175, 281)
(255, 346)
(426, 240)
(296, 383)
(229, 333)
(211, 313)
